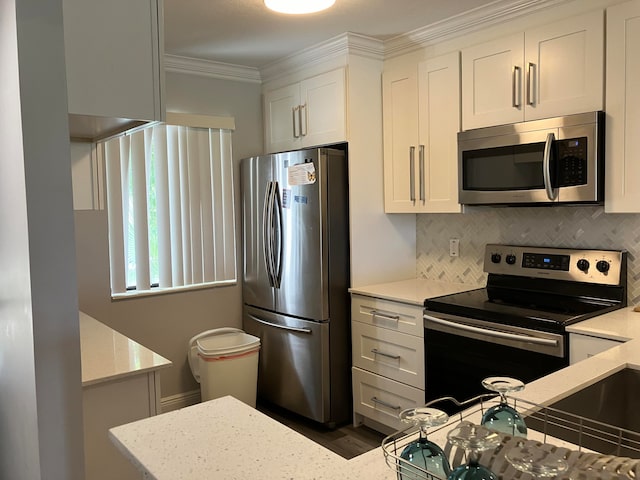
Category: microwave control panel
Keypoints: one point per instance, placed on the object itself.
(571, 155)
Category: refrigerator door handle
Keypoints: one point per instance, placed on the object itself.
(266, 233)
(276, 240)
(282, 327)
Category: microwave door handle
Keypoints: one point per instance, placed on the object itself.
(546, 167)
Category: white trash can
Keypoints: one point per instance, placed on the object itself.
(225, 362)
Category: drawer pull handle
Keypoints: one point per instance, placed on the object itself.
(375, 351)
(385, 404)
(385, 316)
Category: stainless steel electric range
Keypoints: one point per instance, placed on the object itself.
(516, 325)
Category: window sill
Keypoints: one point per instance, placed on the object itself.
(163, 291)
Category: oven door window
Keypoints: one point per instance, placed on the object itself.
(506, 168)
(456, 365)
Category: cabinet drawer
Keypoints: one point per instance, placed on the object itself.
(381, 399)
(392, 354)
(387, 314)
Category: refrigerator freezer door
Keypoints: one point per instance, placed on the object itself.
(303, 255)
(294, 369)
(256, 178)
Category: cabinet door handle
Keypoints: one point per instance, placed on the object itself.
(516, 87)
(421, 167)
(385, 316)
(531, 70)
(375, 351)
(302, 115)
(412, 173)
(385, 404)
(296, 114)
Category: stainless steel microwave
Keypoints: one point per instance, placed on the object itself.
(550, 161)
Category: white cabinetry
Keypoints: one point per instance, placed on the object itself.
(421, 119)
(109, 404)
(308, 113)
(585, 346)
(388, 359)
(556, 69)
(622, 194)
(113, 59)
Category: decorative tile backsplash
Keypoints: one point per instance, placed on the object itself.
(564, 227)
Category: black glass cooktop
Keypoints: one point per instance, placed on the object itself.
(528, 310)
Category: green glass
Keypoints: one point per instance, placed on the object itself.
(474, 439)
(422, 454)
(502, 417)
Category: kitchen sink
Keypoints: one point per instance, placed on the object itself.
(609, 412)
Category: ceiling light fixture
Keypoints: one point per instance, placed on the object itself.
(297, 7)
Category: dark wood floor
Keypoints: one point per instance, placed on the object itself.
(347, 441)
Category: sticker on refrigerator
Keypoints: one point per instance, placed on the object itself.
(286, 198)
(302, 174)
(301, 199)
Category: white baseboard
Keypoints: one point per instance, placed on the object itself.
(180, 400)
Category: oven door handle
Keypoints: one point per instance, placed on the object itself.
(493, 333)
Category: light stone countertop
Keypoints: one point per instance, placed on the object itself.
(413, 291)
(108, 355)
(224, 438)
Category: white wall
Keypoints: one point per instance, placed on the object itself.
(165, 323)
(40, 394)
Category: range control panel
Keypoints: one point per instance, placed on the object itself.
(591, 266)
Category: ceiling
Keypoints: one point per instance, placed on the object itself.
(246, 33)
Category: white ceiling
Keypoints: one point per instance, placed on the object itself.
(245, 32)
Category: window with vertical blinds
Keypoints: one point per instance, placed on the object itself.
(170, 209)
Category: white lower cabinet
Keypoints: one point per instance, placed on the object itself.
(585, 346)
(109, 404)
(388, 359)
(382, 399)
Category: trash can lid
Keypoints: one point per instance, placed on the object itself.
(226, 344)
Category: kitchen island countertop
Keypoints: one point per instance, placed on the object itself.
(224, 438)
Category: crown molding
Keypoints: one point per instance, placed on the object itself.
(466, 22)
(341, 45)
(208, 68)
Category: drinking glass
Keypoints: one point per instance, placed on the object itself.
(423, 453)
(474, 439)
(502, 417)
(536, 461)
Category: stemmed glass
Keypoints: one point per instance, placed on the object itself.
(536, 461)
(502, 417)
(423, 453)
(474, 439)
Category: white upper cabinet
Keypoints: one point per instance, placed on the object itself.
(308, 113)
(113, 55)
(622, 194)
(556, 69)
(421, 119)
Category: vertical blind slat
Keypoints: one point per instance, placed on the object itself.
(162, 206)
(139, 200)
(114, 217)
(175, 213)
(228, 250)
(194, 205)
(205, 206)
(185, 206)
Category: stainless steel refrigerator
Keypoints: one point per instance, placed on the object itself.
(296, 279)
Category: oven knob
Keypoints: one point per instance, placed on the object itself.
(496, 257)
(510, 259)
(583, 265)
(603, 266)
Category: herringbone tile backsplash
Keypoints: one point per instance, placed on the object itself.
(568, 227)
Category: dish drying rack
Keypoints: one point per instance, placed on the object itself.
(592, 449)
